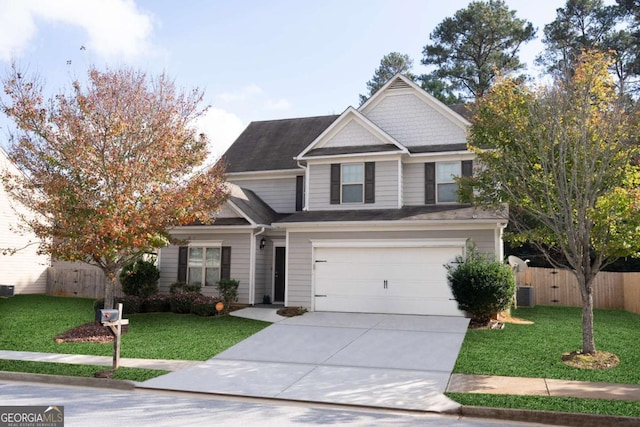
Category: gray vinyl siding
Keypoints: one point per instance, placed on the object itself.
(413, 184)
(240, 248)
(260, 276)
(386, 185)
(278, 193)
(168, 266)
(300, 266)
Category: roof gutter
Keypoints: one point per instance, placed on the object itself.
(305, 202)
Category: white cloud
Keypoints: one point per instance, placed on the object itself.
(114, 27)
(222, 128)
(241, 95)
(278, 104)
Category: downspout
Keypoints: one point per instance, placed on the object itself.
(252, 265)
(306, 185)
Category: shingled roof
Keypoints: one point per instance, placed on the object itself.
(272, 145)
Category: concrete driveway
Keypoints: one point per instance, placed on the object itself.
(380, 360)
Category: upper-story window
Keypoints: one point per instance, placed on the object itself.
(446, 187)
(440, 184)
(352, 183)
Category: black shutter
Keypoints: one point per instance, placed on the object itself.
(225, 263)
(183, 254)
(429, 183)
(299, 192)
(335, 184)
(370, 182)
(467, 167)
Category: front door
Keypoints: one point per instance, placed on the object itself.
(278, 274)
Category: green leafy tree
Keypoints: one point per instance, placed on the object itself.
(478, 42)
(591, 25)
(440, 89)
(108, 167)
(390, 65)
(565, 157)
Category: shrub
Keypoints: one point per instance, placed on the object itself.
(204, 306)
(481, 286)
(156, 303)
(131, 304)
(177, 287)
(181, 301)
(228, 289)
(140, 278)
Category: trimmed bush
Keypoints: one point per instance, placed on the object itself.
(177, 287)
(140, 279)
(204, 306)
(131, 304)
(228, 289)
(481, 285)
(181, 301)
(156, 303)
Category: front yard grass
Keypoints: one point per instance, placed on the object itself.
(30, 322)
(535, 351)
(546, 403)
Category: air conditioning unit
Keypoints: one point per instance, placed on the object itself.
(524, 296)
(6, 290)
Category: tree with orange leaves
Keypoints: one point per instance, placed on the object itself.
(109, 167)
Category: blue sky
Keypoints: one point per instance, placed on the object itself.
(256, 60)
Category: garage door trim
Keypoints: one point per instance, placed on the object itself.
(389, 243)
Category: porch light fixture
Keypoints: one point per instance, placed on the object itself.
(263, 243)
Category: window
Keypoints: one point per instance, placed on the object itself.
(352, 183)
(439, 180)
(445, 184)
(204, 265)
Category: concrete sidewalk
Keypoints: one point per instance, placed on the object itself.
(460, 383)
(82, 359)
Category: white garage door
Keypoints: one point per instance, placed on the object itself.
(407, 280)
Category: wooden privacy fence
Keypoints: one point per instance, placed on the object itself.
(79, 282)
(559, 287)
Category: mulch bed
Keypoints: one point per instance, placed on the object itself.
(89, 332)
(600, 360)
(291, 311)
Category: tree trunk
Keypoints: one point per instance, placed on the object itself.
(588, 342)
(109, 288)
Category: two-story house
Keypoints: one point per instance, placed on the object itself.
(355, 213)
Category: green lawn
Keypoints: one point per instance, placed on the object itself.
(30, 322)
(535, 350)
(545, 403)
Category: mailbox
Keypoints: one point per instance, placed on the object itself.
(108, 315)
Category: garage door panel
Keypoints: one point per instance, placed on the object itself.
(353, 279)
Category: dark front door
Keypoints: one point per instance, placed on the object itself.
(278, 275)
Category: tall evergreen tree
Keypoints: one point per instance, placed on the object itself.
(475, 45)
(390, 65)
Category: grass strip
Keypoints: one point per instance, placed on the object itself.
(65, 369)
(546, 403)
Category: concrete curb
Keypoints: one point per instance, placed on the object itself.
(549, 417)
(64, 380)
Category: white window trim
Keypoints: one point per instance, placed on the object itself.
(342, 202)
(205, 244)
